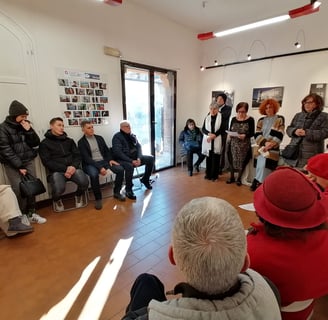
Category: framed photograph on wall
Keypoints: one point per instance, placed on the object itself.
(320, 89)
(230, 96)
(260, 94)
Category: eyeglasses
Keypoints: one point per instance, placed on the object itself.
(308, 102)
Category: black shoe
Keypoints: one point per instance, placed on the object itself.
(146, 184)
(98, 204)
(131, 195)
(120, 197)
(16, 225)
(238, 183)
(196, 167)
(229, 181)
(255, 185)
(190, 173)
(207, 178)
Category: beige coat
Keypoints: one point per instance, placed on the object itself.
(8, 208)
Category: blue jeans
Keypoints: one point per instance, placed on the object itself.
(58, 181)
(93, 173)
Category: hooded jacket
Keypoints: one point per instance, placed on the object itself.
(17, 144)
(59, 152)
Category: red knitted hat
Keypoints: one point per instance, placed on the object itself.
(318, 165)
(287, 198)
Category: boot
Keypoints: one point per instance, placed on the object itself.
(255, 185)
(16, 225)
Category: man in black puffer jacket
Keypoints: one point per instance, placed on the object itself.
(60, 155)
(18, 141)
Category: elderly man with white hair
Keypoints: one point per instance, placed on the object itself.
(127, 151)
(209, 248)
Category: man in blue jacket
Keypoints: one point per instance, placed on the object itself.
(97, 158)
(127, 150)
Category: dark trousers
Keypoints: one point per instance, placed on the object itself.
(148, 161)
(58, 181)
(93, 173)
(14, 177)
(223, 153)
(145, 288)
(190, 157)
(212, 166)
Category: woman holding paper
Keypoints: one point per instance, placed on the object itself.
(239, 150)
(270, 130)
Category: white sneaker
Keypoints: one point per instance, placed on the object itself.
(78, 201)
(25, 220)
(35, 218)
(58, 205)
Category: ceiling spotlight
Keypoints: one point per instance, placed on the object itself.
(202, 68)
(249, 57)
(297, 45)
(216, 62)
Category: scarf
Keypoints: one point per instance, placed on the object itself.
(217, 143)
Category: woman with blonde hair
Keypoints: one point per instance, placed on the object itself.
(268, 136)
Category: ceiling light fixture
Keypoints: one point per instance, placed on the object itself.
(300, 39)
(249, 57)
(216, 62)
(295, 13)
(202, 68)
(297, 45)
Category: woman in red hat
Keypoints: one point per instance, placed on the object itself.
(290, 243)
(317, 168)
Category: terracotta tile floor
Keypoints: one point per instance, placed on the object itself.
(81, 263)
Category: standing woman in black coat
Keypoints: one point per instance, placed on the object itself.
(309, 128)
(18, 141)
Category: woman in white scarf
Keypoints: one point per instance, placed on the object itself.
(212, 142)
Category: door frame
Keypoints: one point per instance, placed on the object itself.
(152, 70)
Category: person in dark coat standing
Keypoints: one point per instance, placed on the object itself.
(18, 143)
(97, 158)
(309, 128)
(225, 111)
(60, 155)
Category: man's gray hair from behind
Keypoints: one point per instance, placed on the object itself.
(209, 244)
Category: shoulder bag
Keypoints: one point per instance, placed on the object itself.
(31, 186)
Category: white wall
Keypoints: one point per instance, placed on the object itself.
(294, 73)
(71, 34)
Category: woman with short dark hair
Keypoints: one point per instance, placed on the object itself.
(309, 129)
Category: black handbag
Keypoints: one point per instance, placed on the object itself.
(31, 186)
(291, 151)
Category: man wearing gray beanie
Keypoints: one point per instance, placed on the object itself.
(18, 141)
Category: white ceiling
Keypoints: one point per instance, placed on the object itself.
(216, 15)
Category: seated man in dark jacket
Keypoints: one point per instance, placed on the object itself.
(96, 159)
(127, 151)
(61, 157)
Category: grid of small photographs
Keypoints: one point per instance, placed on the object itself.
(83, 96)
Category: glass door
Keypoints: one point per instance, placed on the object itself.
(149, 104)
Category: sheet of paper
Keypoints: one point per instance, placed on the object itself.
(247, 206)
(232, 133)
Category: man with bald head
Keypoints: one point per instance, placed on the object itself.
(127, 151)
